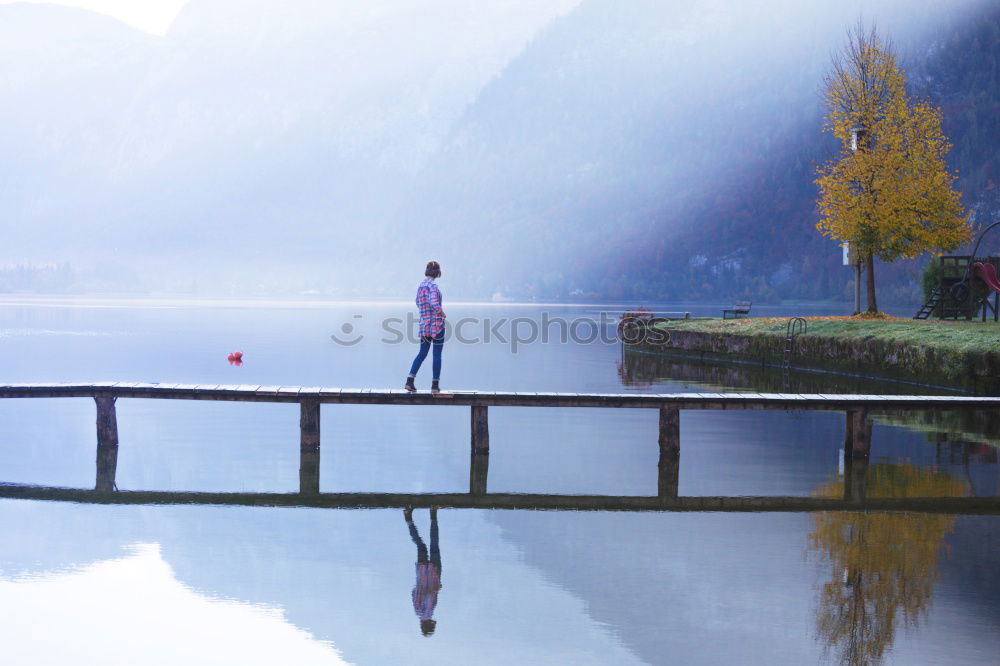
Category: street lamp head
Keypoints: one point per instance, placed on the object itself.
(857, 137)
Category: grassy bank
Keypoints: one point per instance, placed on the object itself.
(965, 354)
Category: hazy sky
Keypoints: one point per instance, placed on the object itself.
(152, 16)
(284, 144)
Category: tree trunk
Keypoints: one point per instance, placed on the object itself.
(870, 280)
(857, 287)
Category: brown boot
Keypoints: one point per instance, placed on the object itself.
(434, 386)
(409, 385)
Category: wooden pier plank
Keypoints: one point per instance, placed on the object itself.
(397, 396)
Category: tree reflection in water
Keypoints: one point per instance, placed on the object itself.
(883, 565)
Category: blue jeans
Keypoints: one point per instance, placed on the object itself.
(425, 345)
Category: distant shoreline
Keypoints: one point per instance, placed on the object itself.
(171, 301)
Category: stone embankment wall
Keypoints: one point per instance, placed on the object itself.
(866, 356)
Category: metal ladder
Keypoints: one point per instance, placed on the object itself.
(928, 307)
(796, 326)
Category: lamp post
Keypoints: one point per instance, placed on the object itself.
(857, 135)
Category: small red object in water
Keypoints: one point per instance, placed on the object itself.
(236, 358)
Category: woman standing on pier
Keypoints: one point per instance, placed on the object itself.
(431, 326)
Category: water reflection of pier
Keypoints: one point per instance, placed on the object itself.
(882, 565)
(956, 434)
(929, 505)
(857, 443)
(853, 495)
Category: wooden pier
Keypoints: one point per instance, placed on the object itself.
(857, 438)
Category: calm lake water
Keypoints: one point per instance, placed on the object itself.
(105, 584)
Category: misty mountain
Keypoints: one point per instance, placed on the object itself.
(256, 139)
(585, 149)
(639, 152)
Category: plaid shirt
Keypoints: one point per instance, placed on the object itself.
(425, 593)
(429, 304)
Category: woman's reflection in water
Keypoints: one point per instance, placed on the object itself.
(425, 592)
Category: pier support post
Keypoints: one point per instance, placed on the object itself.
(107, 421)
(107, 467)
(857, 434)
(480, 430)
(309, 423)
(670, 451)
(479, 468)
(309, 471)
(855, 478)
(309, 447)
(669, 476)
(107, 443)
(670, 432)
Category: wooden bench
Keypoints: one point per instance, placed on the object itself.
(739, 308)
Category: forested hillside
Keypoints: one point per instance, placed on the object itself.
(961, 74)
(757, 238)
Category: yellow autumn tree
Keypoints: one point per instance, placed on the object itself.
(888, 192)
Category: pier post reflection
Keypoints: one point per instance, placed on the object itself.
(855, 478)
(309, 471)
(309, 448)
(479, 468)
(670, 451)
(107, 466)
(107, 443)
(669, 476)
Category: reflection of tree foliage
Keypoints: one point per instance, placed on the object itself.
(628, 377)
(883, 564)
